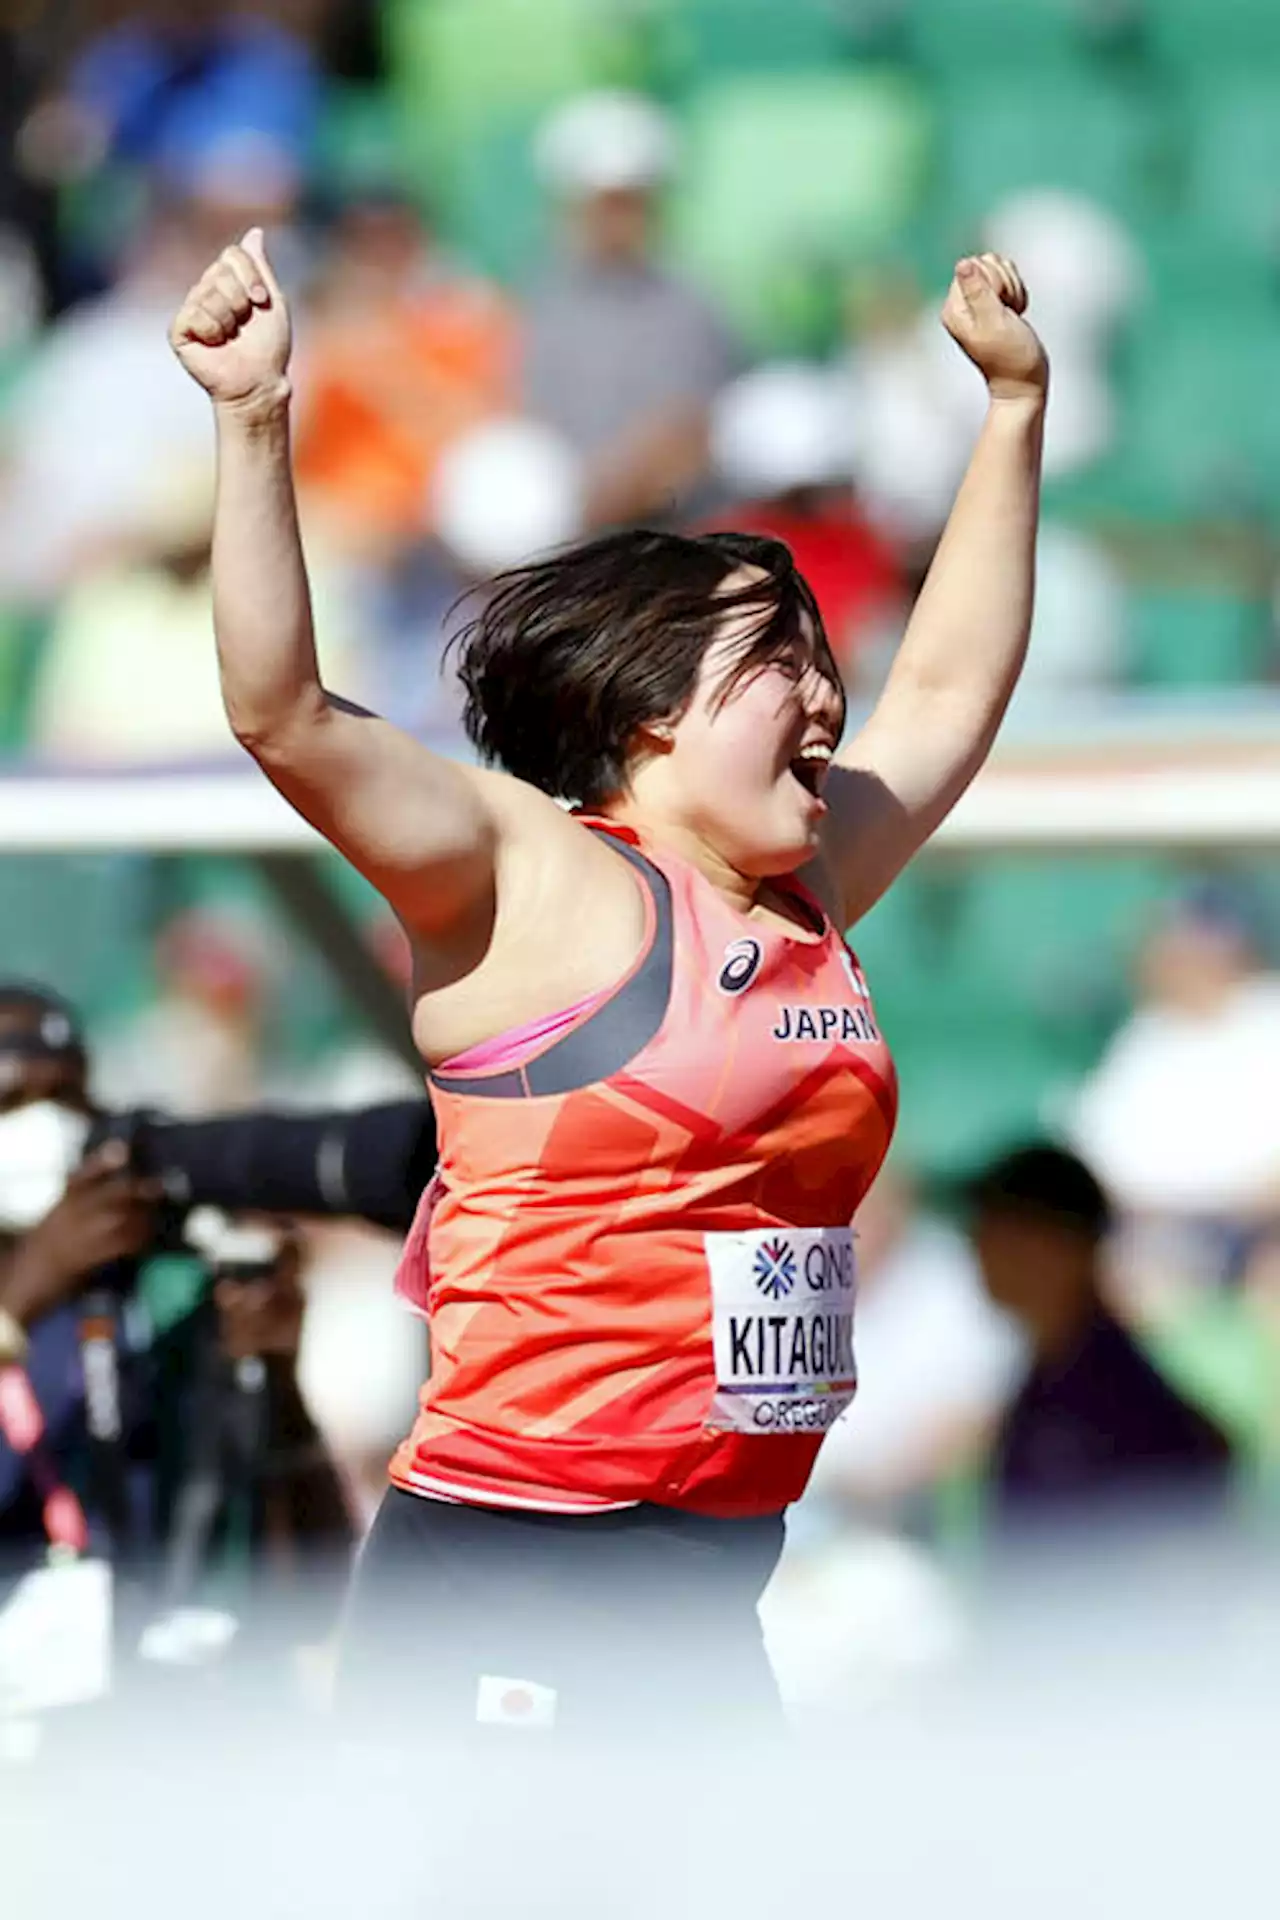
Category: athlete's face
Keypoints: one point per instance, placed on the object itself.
(749, 756)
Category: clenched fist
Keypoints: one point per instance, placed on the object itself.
(984, 316)
(232, 333)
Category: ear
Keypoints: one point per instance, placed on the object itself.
(656, 736)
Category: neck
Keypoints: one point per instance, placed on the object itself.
(739, 889)
(1058, 1331)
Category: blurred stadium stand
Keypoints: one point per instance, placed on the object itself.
(822, 139)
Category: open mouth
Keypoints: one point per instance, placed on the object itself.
(809, 768)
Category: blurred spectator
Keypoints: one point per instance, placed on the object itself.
(128, 674)
(1181, 1117)
(782, 442)
(104, 421)
(403, 352)
(28, 207)
(1095, 1426)
(362, 1361)
(65, 494)
(1086, 275)
(914, 405)
(1079, 632)
(622, 357)
(170, 81)
(509, 493)
(936, 1362)
(196, 1047)
(101, 1225)
(1220, 1346)
(503, 492)
(360, 1071)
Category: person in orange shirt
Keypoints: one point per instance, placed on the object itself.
(660, 1084)
(403, 354)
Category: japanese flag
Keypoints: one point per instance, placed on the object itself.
(501, 1702)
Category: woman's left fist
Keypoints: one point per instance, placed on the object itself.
(984, 314)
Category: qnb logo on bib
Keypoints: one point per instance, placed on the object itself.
(775, 1269)
(783, 1329)
(741, 965)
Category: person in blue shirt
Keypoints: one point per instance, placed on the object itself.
(1095, 1429)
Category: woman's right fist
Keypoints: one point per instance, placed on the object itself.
(232, 333)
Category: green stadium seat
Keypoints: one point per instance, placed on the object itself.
(903, 943)
(707, 39)
(952, 36)
(77, 923)
(996, 981)
(456, 65)
(491, 202)
(1199, 638)
(1075, 130)
(1200, 429)
(20, 638)
(974, 1090)
(1195, 34)
(1233, 187)
(789, 178)
(1218, 1352)
(1055, 937)
(359, 143)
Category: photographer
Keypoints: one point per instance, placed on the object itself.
(91, 1200)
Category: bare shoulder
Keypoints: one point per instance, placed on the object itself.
(536, 832)
(565, 919)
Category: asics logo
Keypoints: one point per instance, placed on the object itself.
(741, 965)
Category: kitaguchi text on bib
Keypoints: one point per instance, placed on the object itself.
(783, 1328)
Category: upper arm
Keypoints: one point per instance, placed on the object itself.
(891, 788)
(424, 830)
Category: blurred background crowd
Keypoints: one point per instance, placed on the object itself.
(561, 265)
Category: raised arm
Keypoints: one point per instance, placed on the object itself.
(959, 662)
(415, 824)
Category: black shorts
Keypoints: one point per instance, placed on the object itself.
(465, 1618)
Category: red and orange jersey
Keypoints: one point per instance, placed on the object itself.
(637, 1260)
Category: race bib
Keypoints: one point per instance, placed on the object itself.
(783, 1324)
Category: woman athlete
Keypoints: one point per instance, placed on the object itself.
(660, 1087)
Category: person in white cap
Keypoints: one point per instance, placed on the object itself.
(785, 449)
(622, 356)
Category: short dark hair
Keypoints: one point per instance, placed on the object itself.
(567, 658)
(1043, 1182)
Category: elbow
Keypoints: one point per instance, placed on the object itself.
(269, 734)
(259, 737)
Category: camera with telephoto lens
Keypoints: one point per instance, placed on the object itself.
(135, 1131)
(231, 1250)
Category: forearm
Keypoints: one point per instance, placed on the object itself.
(15, 1293)
(967, 639)
(957, 667)
(413, 823)
(261, 600)
(26, 1282)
